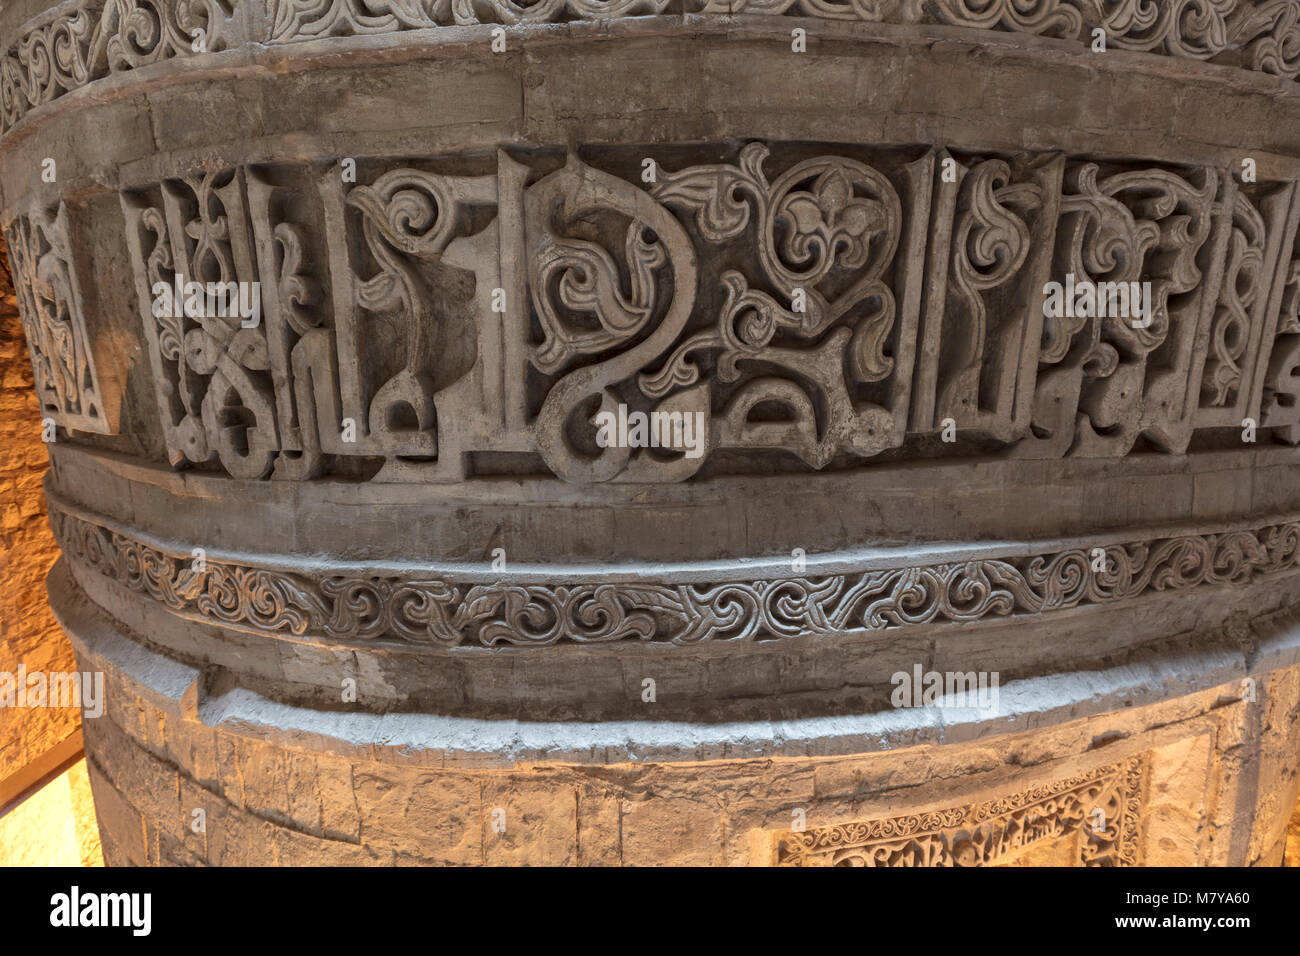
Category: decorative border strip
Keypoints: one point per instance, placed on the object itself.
(981, 834)
(1262, 35)
(435, 611)
(292, 20)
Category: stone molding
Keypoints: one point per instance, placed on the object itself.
(636, 780)
(433, 609)
(1182, 682)
(75, 44)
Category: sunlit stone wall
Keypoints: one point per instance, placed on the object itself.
(30, 640)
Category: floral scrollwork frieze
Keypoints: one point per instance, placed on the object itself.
(356, 605)
(1256, 34)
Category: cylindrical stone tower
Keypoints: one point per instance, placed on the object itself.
(776, 432)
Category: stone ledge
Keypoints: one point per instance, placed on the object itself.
(274, 794)
(1194, 679)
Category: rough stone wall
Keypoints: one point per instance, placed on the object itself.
(28, 632)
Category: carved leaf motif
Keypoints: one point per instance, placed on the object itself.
(1239, 289)
(717, 194)
(1192, 28)
(1040, 17)
(990, 244)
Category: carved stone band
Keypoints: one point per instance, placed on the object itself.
(81, 41)
(619, 397)
(547, 314)
(353, 604)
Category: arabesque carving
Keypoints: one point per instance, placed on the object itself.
(96, 38)
(1095, 817)
(68, 382)
(434, 610)
(814, 305)
(92, 39)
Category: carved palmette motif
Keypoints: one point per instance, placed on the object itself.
(822, 326)
(68, 382)
(792, 302)
(1093, 817)
(435, 610)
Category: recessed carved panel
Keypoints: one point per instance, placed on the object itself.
(212, 373)
(989, 257)
(68, 382)
(1281, 401)
(1092, 818)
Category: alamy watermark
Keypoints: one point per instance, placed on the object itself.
(676, 431)
(130, 910)
(1086, 299)
(55, 689)
(922, 688)
(197, 300)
